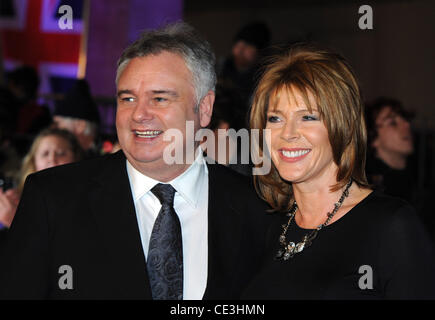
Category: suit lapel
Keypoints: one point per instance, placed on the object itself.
(113, 208)
(224, 235)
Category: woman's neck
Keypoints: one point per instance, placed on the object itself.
(314, 203)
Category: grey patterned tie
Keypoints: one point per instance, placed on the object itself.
(165, 252)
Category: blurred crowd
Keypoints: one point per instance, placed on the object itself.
(34, 137)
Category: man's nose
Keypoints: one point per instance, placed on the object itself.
(404, 124)
(142, 111)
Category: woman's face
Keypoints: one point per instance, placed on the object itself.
(52, 151)
(300, 146)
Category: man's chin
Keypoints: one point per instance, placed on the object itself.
(146, 160)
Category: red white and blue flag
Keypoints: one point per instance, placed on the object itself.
(30, 35)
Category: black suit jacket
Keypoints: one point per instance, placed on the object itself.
(82, 215)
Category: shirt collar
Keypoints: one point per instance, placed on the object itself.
(188, 184)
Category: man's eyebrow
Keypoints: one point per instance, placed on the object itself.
(126, 91)
(390, 115)
(169, 92)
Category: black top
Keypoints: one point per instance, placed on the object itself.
(380, 232)
(391, 181)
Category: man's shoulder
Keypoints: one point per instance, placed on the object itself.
(81, 170)
(227, 177)
(234, 187)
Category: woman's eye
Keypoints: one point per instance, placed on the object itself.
(273, 119)
(310, 118)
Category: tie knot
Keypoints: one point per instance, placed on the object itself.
(165, 193)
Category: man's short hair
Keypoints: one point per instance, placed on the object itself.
(374, 109)
(182, 39)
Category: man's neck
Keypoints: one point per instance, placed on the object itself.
(86, 142)
(393, 160)
(161, 171)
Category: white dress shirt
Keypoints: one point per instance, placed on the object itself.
(191, 206)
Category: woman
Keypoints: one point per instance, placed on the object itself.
(334, 238)
(52, 147)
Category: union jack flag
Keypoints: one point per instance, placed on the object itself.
(30, 35)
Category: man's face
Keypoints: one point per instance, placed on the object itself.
(394, 134)
(244, 55)
(155, 93)
(64, 123)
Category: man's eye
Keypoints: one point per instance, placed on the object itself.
(127, 99)
(273, 119)
(160, 99)
(310, 118)
(392, 123)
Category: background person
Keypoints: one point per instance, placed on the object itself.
(23, 82)
(78, 113)
(391, 144)
(330, 224)
(239, 70)
(227, 114)
(52, 147)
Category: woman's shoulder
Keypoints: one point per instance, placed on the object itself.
(393, 217)
(379, 205)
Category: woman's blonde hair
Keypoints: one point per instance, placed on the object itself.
(328, 77)
(28, 164)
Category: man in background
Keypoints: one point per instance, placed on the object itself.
(78, 113)
(240, 69)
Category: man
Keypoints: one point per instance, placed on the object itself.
(240, 69)
(227, 116)
(78, 113)
(391, 144)
(23, 83)
(392, 166)
(105, 229)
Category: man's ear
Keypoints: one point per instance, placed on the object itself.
(79, 126)
(206, 109)
(375, 143)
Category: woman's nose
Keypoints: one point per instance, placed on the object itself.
(289, 131)
(51, 159)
